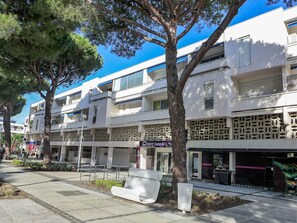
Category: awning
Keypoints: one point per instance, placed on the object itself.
(130, 100)
(74, 113)
(241, 150)
(105, 83)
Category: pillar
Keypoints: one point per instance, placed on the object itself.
(63, 154)
(232, 164)
(189, 165)
(109, 157)
(93, 156)
(199, 165)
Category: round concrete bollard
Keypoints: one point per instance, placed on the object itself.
(184, 198)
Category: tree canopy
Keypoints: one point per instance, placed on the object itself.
(48, 46)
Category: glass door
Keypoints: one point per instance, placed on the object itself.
(164, 162)
(195, 162)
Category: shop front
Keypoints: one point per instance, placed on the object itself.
(240, 167)
(157, 155)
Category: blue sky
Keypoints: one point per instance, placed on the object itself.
(113, 63)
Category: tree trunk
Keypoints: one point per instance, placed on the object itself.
(177, 118)
(6, 125)
(47, 127)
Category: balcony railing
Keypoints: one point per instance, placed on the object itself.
(264, 101)
(140, 116)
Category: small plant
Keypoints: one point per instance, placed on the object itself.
(108, 184)
(17, 162)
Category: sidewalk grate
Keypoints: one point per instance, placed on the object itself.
(72, 193)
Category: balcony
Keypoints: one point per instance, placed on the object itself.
(68, 126)
(292, 50)
(106, 94)
(139, 91)
(212, 65)
(139, 117)
(264, 101)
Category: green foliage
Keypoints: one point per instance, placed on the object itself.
(108, 184)
(61, 167)
(17, 162)
(9, 26)
(35, 165)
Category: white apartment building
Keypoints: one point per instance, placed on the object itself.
(241, 107)
(14, 128)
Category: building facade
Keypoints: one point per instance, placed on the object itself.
(240, 102)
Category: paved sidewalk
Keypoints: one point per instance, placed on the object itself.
(54, 199)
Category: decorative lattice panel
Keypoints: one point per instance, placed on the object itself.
(56, 136)
(160, 132)
(259, 127)
(293, 117)
(101, 135)
(125, 134)
(211, 129)
(87, 135)
(71, 136)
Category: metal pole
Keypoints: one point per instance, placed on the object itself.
(80, 144)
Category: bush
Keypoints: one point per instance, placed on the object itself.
(108, 184)
(34, 165)
(40, 166)
(61, 167)
(17, 162)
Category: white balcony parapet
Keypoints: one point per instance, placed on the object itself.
(138, 117)
(264, 101)
(210, 66)
(106, 94)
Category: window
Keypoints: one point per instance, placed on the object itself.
(209, 95)
(87, 152)
(160, 105)
(292, 31)
(244, 51)
(128, 81)
(95, 115)
(158, 72)
(75, 97)
(36, 126)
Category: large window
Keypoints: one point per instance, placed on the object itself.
(129, 81)
(36, 126)
(244, 51)
(159, 71)
(209, 95)
(160, 105)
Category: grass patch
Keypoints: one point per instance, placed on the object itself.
(108, 184)
(8, 191)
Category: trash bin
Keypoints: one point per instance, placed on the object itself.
(184, 198)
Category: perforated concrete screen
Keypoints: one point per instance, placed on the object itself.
(211, 129)
(101, 135)
(125, 134)
(259, 127)
(160, 132)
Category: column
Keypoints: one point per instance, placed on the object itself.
(93, 156)
(63, 153)
(143, 158)
(109, 157)
(189, 165)
(232, 164)
(199, 165)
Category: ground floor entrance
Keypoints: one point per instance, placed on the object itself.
(245, 168)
